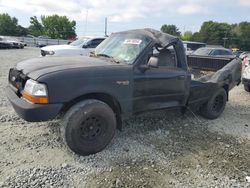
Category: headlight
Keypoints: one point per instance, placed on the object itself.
(50, 52)
(34, 88)
(35, 92)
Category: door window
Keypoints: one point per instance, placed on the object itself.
(216, 52)
(94, 43)
(166, 57)
(225, 52)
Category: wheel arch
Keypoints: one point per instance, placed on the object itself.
(226, 87)
(104, 97)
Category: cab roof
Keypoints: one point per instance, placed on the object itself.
(160, 38)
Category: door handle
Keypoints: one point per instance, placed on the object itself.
(181, 77)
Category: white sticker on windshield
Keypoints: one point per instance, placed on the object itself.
(132, 41)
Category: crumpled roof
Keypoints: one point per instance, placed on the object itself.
(160, 38)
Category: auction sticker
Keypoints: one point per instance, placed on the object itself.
(132, 41)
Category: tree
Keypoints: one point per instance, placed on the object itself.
(35, 28)
(8, 25)
(196, 37)
(58, 26)
(170, 29)
(187, 36)
(215, 33)
(244, 35)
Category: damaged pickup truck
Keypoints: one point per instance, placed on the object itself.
(130, 72)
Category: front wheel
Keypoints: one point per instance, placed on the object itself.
(88, 127)
(215, 106)
(247, 88)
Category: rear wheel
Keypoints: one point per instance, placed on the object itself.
(247, 88)
(88, 127)
(215, 106)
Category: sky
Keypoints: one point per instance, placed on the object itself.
(187, 15)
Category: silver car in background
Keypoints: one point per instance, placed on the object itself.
(10, 43)
(214, 52)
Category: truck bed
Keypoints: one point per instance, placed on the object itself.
(203, 88)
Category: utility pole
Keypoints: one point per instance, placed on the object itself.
(225, 39)
(106, 23)
(86, 21)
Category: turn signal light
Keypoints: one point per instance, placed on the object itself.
(35, 99)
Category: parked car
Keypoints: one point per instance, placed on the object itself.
(10, 42)
(4, 43)
(246, 72)
(243, 55)
(16, 43)
(81, 46)
(214, 52)
(121, 78)
(42, 41)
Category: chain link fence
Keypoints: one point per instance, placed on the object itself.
(38, 42)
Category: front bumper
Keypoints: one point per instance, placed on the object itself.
(33, 112)
(246, 82)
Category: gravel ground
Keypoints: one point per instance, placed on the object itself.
(159, 149)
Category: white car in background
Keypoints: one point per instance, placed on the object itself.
(246, 72)
(82, 46)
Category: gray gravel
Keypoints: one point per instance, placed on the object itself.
(157, 149)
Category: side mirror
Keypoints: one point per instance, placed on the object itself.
(153, 62)
(85, 46)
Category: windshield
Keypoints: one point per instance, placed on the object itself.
(122, 48)
(80, 41)
(202, 51)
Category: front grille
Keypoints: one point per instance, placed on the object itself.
(17, 79)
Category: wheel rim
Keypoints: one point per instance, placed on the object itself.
(91, 128)
(218, 103)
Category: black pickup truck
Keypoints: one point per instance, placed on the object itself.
(130, 72)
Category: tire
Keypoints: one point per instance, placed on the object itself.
(247, 88)
(215, 106)
(88, 127)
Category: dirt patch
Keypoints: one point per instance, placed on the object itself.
(193, 157)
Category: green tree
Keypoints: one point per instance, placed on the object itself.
(8, 25)
(196, 37)
(187, 36)
(244, 35)
(215, 33)
(35, 28)
(171, 29)
(58, 26)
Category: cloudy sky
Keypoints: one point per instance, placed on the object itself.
(125, 14)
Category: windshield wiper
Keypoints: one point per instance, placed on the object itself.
(110, 57)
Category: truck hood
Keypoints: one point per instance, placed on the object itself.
(34, 68)
(58, 47)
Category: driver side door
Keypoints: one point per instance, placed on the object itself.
(162, 87)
